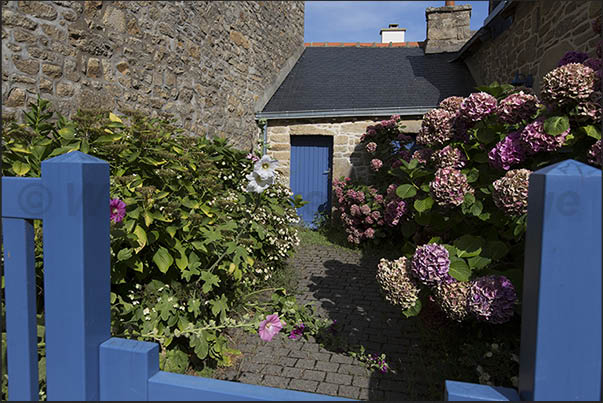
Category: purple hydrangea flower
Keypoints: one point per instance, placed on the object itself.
(477, 106)
(491, 299)
(517, 107)
(533, 138)
(507, 152)
(511, 192)
(568, 85)
(117, 209)
(449, 157)
(449, 186)
(394, 211)
(572, 57)
(594, 153)
(422, 155)
(430, 265)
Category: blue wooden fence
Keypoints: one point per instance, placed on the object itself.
(561, 321)
(83, 361)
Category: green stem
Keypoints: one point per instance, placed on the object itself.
(265, 289)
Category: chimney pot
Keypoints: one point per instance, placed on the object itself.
(449, 3)
(393, 25)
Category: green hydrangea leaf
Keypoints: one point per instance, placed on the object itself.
(555, 125)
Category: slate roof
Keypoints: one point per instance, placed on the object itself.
(327, 78)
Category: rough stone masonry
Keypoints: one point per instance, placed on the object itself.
(207, 63)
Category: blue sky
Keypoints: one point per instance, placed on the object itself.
(360, 21)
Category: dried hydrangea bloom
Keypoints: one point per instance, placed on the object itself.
(449, 157)
(449, 186)
(451, 104)
(430, 265)
(396, 284)
(511, 192)
(491, 299)
(477, 106)
(517, 107)
(507, 152)
(436, 128)
(588, 111)
(533, 138)
(568, 84)
(572, 57)
(594, 154)
(422, 155)
(453, 299)
(394, 210)
(371, 147)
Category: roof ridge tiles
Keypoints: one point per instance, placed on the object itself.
(364, 44)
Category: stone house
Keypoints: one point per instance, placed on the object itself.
(204, 62)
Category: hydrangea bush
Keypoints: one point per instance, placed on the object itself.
(457, 196)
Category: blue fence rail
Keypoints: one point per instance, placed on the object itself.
(561, 321)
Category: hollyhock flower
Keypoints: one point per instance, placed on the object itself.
(257, 184)
(572, 57)
(507, 152)
(449, 186)
(371, 147)
(477, 106)
(265, 167)
(491, 299)
(394, 211)
(252, 157)
(436, 128)
(430, 265)
(422, 155)
(451, 104)
(511, 192)
(594, 153)
(568, 84)
(297, 332)
(533, 138)
(376, 164)
(270, 327)
(453, 299)
(396, 284)
(449, 157)
(117, 209)
(517, 107)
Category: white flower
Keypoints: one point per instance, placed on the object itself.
(258, 184)
(265, 167)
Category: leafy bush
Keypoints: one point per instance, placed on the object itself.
(192, 242)
(455, 196)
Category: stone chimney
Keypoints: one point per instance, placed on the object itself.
(392, 34)
(447, 27)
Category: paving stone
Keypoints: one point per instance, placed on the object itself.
(314, 375)
(287, 361)
(292, 372)
(341, 359)
(298, 354)
(249, 377)
(305, 364)
(364, 394)
(304, 385)
(327, 389)
(327, 366)
(349, 391)
(272, 369)
(350, 369)
(361, 381)
(339, 378)
(275, 381)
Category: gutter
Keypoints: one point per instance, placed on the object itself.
(333, 113)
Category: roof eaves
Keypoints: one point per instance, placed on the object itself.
(331, 113)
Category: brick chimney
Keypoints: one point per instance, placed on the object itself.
(447, 27)
(392, 34)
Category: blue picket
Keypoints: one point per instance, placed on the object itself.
(20, 291)
(76, 273)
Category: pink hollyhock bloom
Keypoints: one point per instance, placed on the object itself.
(270, 327)
(252, 157)
(118, 210)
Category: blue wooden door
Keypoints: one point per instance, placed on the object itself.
(311, 174)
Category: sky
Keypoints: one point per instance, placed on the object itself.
(360, 21)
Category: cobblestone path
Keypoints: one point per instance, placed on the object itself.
(342, 286)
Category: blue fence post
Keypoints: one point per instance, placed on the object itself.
(561, 318)
(20, 289)
(76, 273)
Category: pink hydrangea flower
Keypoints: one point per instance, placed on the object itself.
(369, 233)
(270, 327)
(118, 210)
(376, 164)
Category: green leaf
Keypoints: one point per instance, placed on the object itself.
(555, 125)
(172, 230)
(124, 254)
(469, 245)
(468, 199)
(495, 250)
(114, 118)
(472, 175)
(67, 133)
(163, 259)
(142, 238)
(481, 158)
(424, 204)
(413, 310)
(592, 131)
(209, 281)
(200, 345)
(486, 135)
(406, 191)
(219, 306)
(478, 262)
(20, 168)
(109, 138)
(476, 208)
(459, 269)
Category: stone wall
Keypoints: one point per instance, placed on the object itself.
(540, 34)
(448, 28)
(349, 158)
(207, 63)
